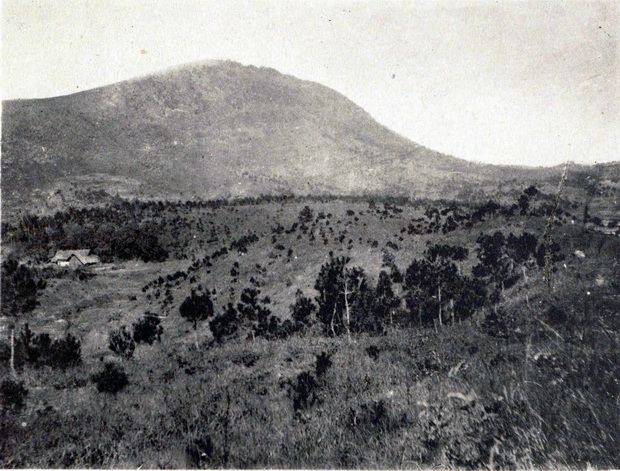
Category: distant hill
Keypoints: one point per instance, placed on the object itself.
(213, 130)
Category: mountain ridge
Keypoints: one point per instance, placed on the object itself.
(219, 129)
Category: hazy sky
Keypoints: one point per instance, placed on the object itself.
(530, 83)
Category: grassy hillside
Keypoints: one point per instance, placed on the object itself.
(513, 363)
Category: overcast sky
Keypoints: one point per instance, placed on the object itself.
(530, 83)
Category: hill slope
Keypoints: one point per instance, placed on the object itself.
(214, 130)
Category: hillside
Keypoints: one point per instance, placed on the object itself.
(210, 130)
(313, 333)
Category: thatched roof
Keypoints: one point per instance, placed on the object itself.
(83, 255)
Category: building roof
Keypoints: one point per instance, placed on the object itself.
(83, 255)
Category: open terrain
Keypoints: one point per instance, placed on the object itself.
(278, 281)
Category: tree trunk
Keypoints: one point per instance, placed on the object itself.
(346, 305)
(527, 297)
(13, 371)
(452, 310)
(440, 306)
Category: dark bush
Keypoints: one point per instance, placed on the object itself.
(41, 350)
(323, 363)
(226, 324)
(13, 395)
(373, 352)
(148, 329)
(122, 342)
(66, 352)
(556, 315)
(304, 391)
(111, 379)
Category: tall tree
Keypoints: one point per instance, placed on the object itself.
(253, 313)
(386, 301)
(342, 300)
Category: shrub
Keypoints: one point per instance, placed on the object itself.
(66, 352)
(374, 416)
(199, 451)
(122, 342)
(148, 329)
(111, 379)
(13, 395)
(304, 391)
(323, 363)
(225, 325)
(499, 323)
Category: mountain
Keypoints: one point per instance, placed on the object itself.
(208, 130)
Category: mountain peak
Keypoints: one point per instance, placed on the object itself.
(213, 129)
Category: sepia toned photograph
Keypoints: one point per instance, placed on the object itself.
(337, 234)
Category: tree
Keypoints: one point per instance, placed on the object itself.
(196, 307)
(494, 264)
(434, 286)
(521, 249)
(255, 315)
(343, 299)
(19, 296)
(302, 310)
(330, 302)
(418, 277)
(385, 299)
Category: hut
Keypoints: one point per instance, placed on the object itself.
(74, 258)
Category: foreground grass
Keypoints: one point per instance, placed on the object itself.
(457, 398)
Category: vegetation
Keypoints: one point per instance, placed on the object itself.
(315, 332)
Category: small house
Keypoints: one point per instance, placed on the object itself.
(74, 258)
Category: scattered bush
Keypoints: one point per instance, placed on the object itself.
(41, 350)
